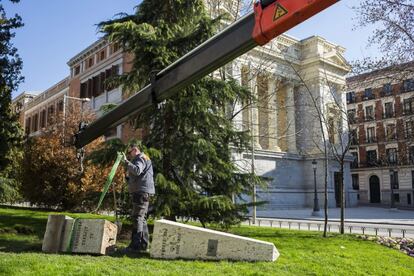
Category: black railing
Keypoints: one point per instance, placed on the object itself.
(387, 115)
(369, 118)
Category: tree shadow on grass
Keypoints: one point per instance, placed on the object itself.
(19, 246)
(23, 225)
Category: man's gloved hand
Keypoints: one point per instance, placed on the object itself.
(124, 158)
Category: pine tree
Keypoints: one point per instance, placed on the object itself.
(190, 137)
(10, 130)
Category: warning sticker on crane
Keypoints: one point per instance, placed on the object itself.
(279, 12)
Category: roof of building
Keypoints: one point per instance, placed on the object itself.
(389, 70)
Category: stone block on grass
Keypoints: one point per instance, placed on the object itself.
(86, 236)
(172, 240)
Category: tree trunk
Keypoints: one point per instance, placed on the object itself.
(325, 226)
(342, 198)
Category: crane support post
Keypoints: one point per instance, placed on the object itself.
(269, 19)
(276, 17)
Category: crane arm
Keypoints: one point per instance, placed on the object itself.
(269, 19)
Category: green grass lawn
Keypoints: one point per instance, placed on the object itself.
(301, 253)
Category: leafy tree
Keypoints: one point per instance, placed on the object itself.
(190, 137)
(393, 22)
(51, 174)
(10, 130)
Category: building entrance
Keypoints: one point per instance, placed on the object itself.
(374, 189)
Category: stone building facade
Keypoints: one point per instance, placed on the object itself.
(284, 121)
(285, 75)
(380, 111)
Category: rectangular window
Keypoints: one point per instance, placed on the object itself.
(408, 85)
(409, 129)
(368, 95)
(90, 62)
(392, 156)
(28, 125)
(35, 123)
(50, 113)
(371, 135)
(351, 116)
(102, 55)
(96, 86)
(354, 163)
(411, 156)
(409, 199)
(369, 113)
(355, 182)
(77, 70)
(43, 119)
(60, 106)
(371, 158)
(389, 111)
(391, 132)
(408, 106)
(353, 137)
(387, 89)
(350, 97)
(84, 90)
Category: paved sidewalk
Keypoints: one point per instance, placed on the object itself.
(360, 214)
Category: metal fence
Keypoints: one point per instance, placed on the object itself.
(351, 227)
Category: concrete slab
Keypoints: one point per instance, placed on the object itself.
(89, 236)
(172, 240)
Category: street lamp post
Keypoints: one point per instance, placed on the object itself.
(392, 176)
(315, 199)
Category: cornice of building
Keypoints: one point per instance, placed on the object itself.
(25, 94)
(50, 92)
(100, 43)
(389, 71)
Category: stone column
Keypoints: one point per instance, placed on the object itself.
(273, 131)
(254, 116)
(290, 118)
(237, 75)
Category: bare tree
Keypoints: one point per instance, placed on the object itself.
(393, 21)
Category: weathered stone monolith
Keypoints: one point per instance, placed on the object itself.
(172, 240)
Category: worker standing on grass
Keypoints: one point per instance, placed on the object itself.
(141, 186)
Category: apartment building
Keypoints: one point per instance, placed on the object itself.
(88, 71)
(380, 111)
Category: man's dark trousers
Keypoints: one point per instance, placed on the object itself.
(140, 235)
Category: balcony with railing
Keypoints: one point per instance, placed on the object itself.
(369, 117)
(391, 137)
(388, 114)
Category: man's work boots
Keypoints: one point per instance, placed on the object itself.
(137, 245)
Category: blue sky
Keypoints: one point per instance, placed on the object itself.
(55, 30)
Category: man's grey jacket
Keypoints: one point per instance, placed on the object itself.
(140, 175)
